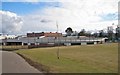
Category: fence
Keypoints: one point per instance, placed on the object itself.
(11, 48)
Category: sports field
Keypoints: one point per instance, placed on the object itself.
(101, 58)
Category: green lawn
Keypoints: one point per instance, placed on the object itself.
(101, 58)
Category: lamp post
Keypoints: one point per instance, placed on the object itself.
(57, 41)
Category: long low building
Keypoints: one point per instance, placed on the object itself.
(52, 40)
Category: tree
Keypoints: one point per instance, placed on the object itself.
(88, 33)
(101, 33)
(110, 33)
(96, 34)
(117, 33)
(82, 33)
(69, 31)
(75, 33)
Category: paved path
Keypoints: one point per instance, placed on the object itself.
(13, 63)
(0, 62)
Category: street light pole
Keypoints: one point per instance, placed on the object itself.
(58, 41)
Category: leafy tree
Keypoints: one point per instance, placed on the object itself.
(82, 33)
(75, 33)
(69, 31)
(117, 33)
(96, 34)
(88, 34)
(110, 33)
(101, 33)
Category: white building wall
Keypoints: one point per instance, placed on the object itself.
(83, 43)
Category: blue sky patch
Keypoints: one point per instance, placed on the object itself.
(23, 8)
(109, 17)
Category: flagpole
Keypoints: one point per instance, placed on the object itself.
(57, 41)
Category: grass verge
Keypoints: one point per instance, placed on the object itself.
(101, 58)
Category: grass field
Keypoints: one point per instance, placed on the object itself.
(101, 58)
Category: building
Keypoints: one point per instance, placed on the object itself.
(8, 36)
(47, 34)
(33, 40)
(118, 33)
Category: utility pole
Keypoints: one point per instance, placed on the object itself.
(57, 41)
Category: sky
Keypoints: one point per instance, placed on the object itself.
(22, 16)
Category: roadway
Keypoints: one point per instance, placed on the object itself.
(13, 63)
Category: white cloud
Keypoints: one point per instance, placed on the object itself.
(77, 14)
(11, 22)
